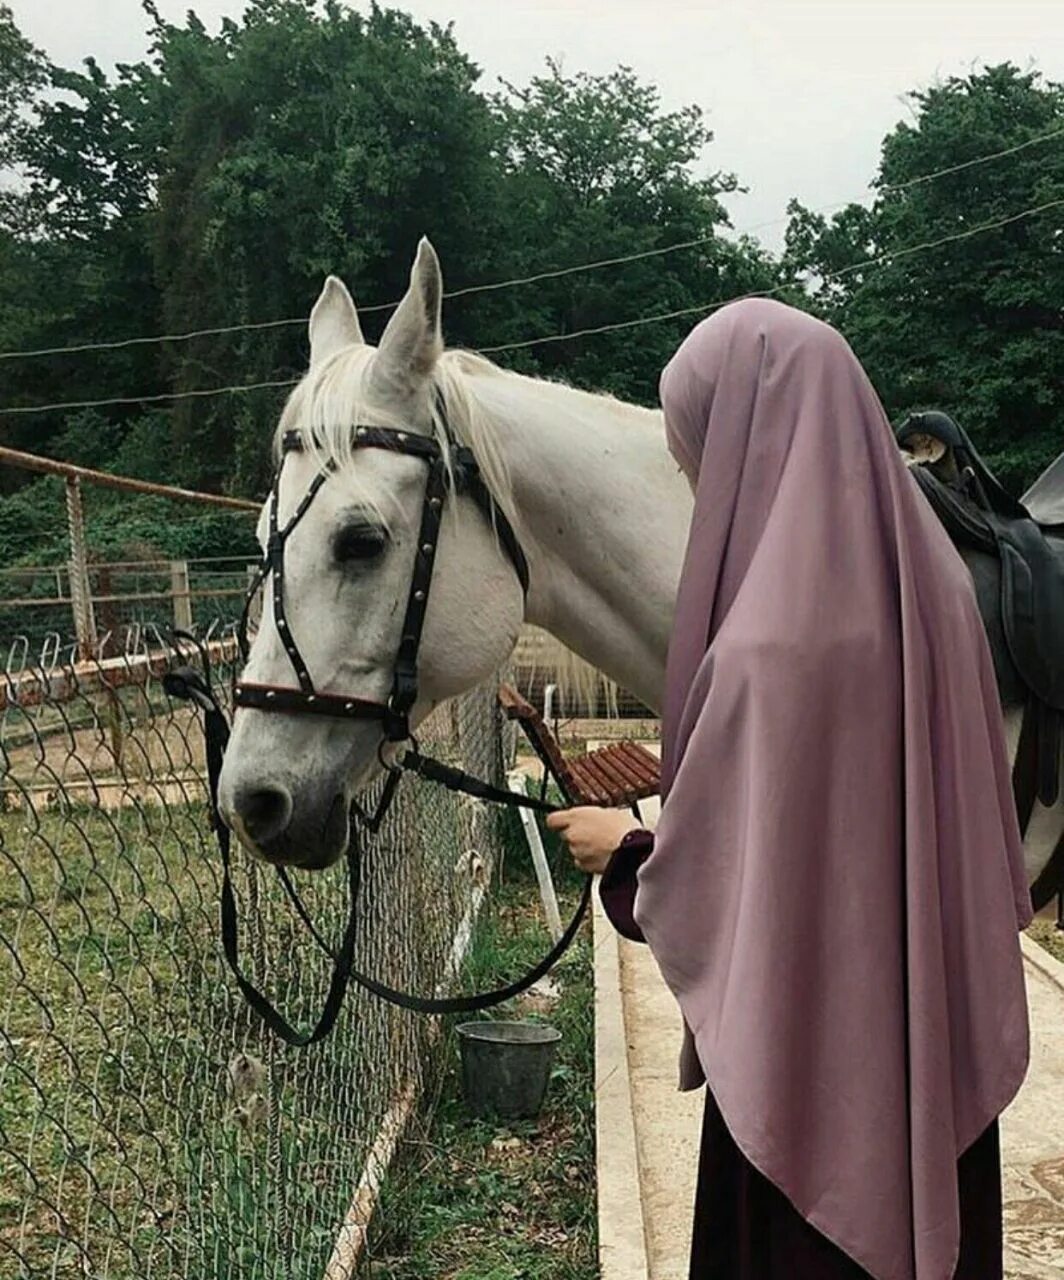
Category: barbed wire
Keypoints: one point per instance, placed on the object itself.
(548, 339)
(553, 273)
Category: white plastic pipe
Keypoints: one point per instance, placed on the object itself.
(549, 694)
(517, 782)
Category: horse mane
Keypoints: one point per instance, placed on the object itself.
(328, 402)
(331, 399)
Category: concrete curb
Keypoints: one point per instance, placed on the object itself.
(1039, 958)
(1032, 1130)
(622, 1237)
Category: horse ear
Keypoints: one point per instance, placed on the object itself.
(333, 322)
(413, 340)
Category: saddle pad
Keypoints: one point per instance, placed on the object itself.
(1032, 608)
(1032, 583)
(1045, 498)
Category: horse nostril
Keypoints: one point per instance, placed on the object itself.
(265, 812)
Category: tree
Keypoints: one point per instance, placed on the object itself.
(974, 322)
(216, 183)
(23, 70)
(596, 169)
(213, 185)
(303, 144)
(74, 230)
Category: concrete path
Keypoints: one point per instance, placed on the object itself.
(649, 1133)
(1033, 1133)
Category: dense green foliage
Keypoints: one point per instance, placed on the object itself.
(976, 325)
(217, 182)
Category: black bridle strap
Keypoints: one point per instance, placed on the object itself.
(486, 999)
(449, 1004)
(453, 779)
(341, 973)
(186, 683)
(459, 463)
(457, 780)
(404, 674)
(273, 568)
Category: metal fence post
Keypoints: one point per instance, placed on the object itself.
(181, 591)
(255, 607)
(80, 586)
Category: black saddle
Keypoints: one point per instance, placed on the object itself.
(978, 513)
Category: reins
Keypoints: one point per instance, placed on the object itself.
(393, 715)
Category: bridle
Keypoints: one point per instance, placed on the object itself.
(393, 714)
(453, 465)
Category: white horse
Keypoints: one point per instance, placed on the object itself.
(600, 509)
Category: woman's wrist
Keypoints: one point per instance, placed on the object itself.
(638, 838)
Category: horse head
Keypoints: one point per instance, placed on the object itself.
(338, 588)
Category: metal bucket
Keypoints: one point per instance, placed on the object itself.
(506, 1067)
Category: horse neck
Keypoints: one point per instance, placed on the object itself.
(603, 513)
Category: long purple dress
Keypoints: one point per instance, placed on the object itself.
(746, 1229)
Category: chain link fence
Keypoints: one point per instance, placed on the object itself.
(124, 598)
(149, 1125)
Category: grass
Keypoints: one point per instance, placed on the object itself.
(106, 919)
(120, 1152)
(1047, 935)
(480, 1199)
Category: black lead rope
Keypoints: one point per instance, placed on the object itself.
(188, 684)
(392, 715)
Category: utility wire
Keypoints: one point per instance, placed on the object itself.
(516, 281)
(701, 309)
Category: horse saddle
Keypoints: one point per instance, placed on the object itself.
(979, 513)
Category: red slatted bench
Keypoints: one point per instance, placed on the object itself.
(620, 773)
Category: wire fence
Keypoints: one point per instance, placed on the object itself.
(127, 599)
(149, 1126)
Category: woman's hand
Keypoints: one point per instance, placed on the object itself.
(592, 834)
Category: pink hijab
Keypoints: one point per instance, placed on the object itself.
(837, 882)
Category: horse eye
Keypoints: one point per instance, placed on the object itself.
(358, 542)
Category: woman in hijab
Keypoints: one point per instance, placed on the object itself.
(835, 887)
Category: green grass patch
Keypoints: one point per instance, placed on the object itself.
(1047, 935)
(108, 924)
(483, 1199)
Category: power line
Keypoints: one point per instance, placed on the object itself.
(153, 399)
(701, 309)
(886, 256)
(516, 281)
(969, 164)
(553, 273)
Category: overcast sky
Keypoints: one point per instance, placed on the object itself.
(799, 92)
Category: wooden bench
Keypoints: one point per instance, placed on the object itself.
(621, 773)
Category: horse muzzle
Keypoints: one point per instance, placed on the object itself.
(309, 831)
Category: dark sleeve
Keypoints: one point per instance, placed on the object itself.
(618, 885)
